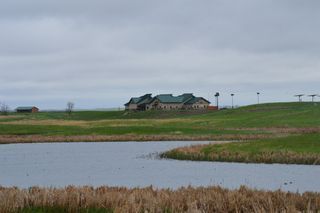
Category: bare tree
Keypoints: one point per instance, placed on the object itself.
(4, 108)
(70, 107)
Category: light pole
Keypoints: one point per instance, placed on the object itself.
(232, 99)
(258, 96)
(299, 97)
(312, 97)
(217, 98)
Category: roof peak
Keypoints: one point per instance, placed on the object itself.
(165, 95)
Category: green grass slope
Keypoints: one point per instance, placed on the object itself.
(245, 120)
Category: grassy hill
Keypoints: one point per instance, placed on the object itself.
(299, 124)
(254, 121)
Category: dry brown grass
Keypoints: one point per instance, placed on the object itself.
(49, 122)
(209, 199)
(8, 116)
(283, 130)
(98, 123)
(7, 139)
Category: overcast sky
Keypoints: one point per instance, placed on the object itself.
(99, 53)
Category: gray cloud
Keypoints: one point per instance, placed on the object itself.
(99, 53)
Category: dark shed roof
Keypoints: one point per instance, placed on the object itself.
(26, 108)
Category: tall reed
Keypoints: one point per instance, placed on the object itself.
(188, 199)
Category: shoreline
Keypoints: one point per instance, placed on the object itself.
(24, 139)
(289, 150)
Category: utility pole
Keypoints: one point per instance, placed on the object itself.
(258, 96)
(217, 98)
(232, 100)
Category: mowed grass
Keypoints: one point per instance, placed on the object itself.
(308, 143)
(281, 115)
(296, 149)
(278, 115)
(16, 129)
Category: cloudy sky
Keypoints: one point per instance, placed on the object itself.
(99, 53)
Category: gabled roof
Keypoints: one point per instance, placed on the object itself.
(25, 108)
(169, 98)
(195, 100)
(140, 100)
(186, 98)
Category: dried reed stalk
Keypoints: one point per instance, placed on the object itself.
(118, 199)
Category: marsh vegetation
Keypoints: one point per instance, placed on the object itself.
(186, 199)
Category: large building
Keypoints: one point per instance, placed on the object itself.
(167, 102)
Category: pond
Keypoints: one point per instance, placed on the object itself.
(135, 164)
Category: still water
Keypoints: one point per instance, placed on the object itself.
(135, 164)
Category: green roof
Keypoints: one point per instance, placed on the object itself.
(196, 99)
(140, 100)
(169, 98)
(187, 98)
(25, 108)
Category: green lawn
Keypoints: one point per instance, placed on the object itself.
(281, 115)
(51, 130)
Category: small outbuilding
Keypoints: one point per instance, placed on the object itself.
(27, 109)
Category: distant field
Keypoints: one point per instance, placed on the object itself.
(257, 120)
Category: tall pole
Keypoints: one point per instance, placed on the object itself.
(232, 99)
(258, 96)
(217, 98)
(218, 102)
(312, 97)
(299, 97)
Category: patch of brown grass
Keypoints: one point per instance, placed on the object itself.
(49, 122)
(6, 139)
(8, 116)
(119, 199)
(283, 130)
